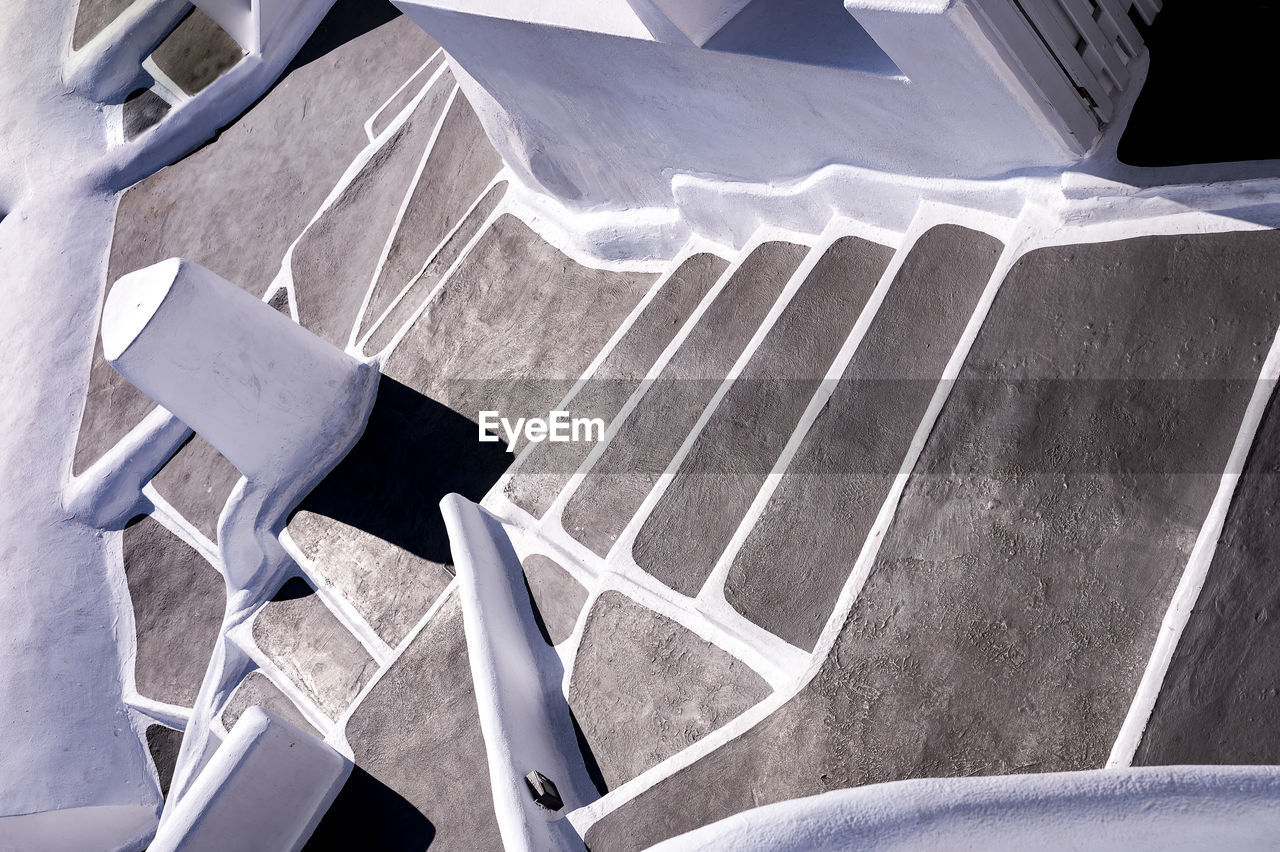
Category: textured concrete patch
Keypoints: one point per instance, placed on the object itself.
(1220, 702)
(142, 110)
(933, 674)
(163, 744)
(93, 16)
(299, 634)
(461, 164)
(618, 483)
(557, 598)
(235, 205)
(545, 472)
(514, 327)
(418, 733)
(400, 102)
(257, 690)
(372, 527)
(692, 524)
(334, 261)
(402, 311)
(196, 53)
(197, 482)
(178, 604)
(644, 688)
(794, 563)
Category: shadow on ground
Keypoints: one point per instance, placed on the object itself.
(346, 21)
(1208, 95)
(368, 814)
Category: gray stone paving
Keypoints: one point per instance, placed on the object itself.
(299, 634)
(163, 744)
(334, 261)
(142, 110)
(544, 473)
(643, 687)
(257, 690)
(1017, 596)
(178, 603)
(418, 733)
(93, 16)
(196, 53)
(435, 269)
(707, 499)
(796, 559)
(461, 164)
(621, 478)
(197, 482)
(398, 104)
(1220, 702)
(514, 327)
(557, 597)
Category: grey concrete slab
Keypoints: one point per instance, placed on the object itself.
(142, 110)
(643, 687)
(514, 327)
(334, 261)
(93, 16)
(1219, 703)
(1017, 595)
(299, 634)
(372, 527)
(691, 525)
(163, 744)
(418, 734)
(627, 470)
(544, 473)
(461, 164)
(435, 269)
(236, 204)
(257, 690)
(557, 598)
(178, 603)
(197, 482)
(795, 561)
(399, 102)
(196, 53)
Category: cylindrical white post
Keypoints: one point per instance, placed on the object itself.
(264, 391)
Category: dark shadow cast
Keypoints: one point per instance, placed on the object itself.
(294, 589)
(413, 452)
(588, 756)
(163, 744)
(1208, 95)
(346, 21)
(368, 814)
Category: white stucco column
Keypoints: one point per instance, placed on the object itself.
(267, 393)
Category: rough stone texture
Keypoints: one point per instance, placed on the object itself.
(461, 164)
(257, 690)
(557, 598)
(643, 687)
(237, 203)
(196, 53)
(644, 446)
(1077, 497)
(692, 524)
(178, 603)
(197, 482)
(798, 556)
(514, 327)
(93, 16)
(297, 631)
(1188, 37)
(403, 311)
(397, 104)
(163, 744)
(1219, 703)
(334, 261)
(372, 527)
(143, 109)
(546, 471)
(417, 733)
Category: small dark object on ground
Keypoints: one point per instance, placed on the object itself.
(544, 792)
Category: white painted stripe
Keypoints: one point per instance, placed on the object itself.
(172, 520)
(369, 122)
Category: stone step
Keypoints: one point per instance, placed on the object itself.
(692, 523)
(609, 496)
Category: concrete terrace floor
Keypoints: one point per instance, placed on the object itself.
(802, 559)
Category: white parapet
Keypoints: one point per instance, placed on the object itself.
(266, 787)
(261, 389)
